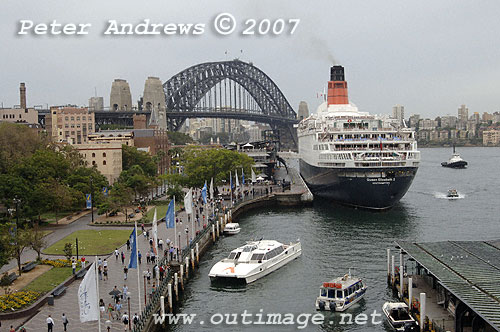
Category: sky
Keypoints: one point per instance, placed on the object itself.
(430, 56)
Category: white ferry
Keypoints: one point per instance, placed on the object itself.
(355, 158)
(398, 316)
(232, 228)
(254, 260)
(340, 294)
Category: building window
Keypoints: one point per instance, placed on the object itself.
(104, 162)
(72, 118)
(72, 133)
(93, 162)
(104, 154)
(66, 133)
(66, 118)
(83, 118)
(20, 116)
(90, 126)
(77, 118)
(93, 154)
(66, 126)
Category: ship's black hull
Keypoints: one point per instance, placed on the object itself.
(352, 186)
(458, 164)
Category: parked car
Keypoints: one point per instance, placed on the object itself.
(131, 215)
(112, 213)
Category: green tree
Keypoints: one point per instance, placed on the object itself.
(175, 191)
(68, 250)
(202, 165)
(15, 241)
(176, 138)
(37, 240)
(135, 179)
(17, 142)
(120, 196)
(132, 157)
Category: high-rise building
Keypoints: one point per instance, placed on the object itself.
(463, 113)
(398, 112)
(120, 98)
(70, 124)
(303, 110)
(96, 104)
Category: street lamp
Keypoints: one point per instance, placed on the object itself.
(128, 299)
(92, 198)
(17, 201)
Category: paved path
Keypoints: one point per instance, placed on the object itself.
(68, 302)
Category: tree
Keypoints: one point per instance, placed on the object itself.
(202, 165)
(37, 240)
(135, 179)
(176, 138)
(68, 250)
(120, 197)
(175, 191)
(16, 240)
(17, 142)
(133, 157)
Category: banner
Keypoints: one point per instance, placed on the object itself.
(242, 177)
(105, 191)
(155, 234)
(254, 178)
(236, 176)
(212, 188)
(88, 200)
(204, 193)
(133, 253)
(188, 202)
(170, 216)
(87, 296)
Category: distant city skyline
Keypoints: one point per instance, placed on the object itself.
(429, 57)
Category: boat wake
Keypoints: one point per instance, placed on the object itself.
(445, 196)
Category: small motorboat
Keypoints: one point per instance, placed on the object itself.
(232, 228)
(452, 193)
(398, 316)
(341, 293)
(455, 161)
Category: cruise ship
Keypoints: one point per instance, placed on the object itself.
(352, 157)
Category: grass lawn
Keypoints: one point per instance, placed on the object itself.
(49, 280)
(161, 210)
(91, 242)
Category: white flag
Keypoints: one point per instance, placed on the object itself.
(212, 188)
(237, 181)
(87, 296)
(188, 202)
(155, 234)
(254, 178)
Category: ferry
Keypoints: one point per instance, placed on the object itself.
(398, 316)
(355, 158)
(232, 228)
(452, 193)
(254, 260)
(340, 294)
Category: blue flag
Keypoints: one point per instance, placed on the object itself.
(133, 257)
(170, 216)
(204, 193)
(242, 177)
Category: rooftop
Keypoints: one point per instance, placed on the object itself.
(468, 269)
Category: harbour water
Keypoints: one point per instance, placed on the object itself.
(336, 238)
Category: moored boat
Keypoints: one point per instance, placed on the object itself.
(341, 293)
(232, 228)
(254, 260)
(398, 316)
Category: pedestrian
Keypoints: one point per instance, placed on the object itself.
(142, 227)
(65, 321)
(147, 235)
(128, 244)
(148, 276)
(153, 257)
(12, 329)
(147, 257)
(160, 244)
(50, 324)
(162, 270)
(125, 321)
(118, 309)
(110, 311)
(125, 271)
(73, 266)
(83, 262)
(102, 306)
(140, 257)
(116, 254)
(123, 258)
(105, 273)
(125, 290)
(151, 243)
(99, 271)
(135, 319)
(172, 253)
(99, 261)
(144, 233)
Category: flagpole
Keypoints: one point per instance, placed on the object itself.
(97, 288)
(138, 272)
(192, 217)
(175, 227)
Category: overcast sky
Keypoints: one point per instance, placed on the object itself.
(430, 56)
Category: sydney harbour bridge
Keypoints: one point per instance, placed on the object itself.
(227, 89)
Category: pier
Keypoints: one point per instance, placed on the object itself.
(449, 286)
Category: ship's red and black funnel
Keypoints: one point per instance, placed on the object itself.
(337, 87)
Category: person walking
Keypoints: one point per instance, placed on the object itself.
(135, 319)
(83, 262)
(147, 257)
(102, 307)
(73, 266)
(118, 309)
(125, 272)
(139, 256)
(50, 324)
(123, 258)
(116, 254)
(110, 311)
(12, 329)
(128, 244)
(65, 321)
(99, 271)
(125, 321)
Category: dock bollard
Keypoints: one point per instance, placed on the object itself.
(388, 265)
(176, 286)
(393, 276)
(213, 232)
(162, 305)
(410, 292)
(197, 253)
(422, 311)
(170, 304)
(222, 222)
(401, 275)
(182, 275)
(187, 267)
(192, 259)
(217, 228)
